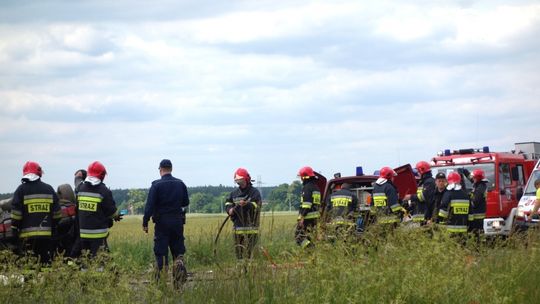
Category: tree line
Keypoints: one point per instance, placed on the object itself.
(210, 199)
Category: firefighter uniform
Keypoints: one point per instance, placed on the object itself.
(454, 210)
(423, 199)
(343, 204)
(246, 207)
(437, 198)
(386, 205)
(166, 204)
(310, 202)
(95, 210)
(35, 213)
(478, 206)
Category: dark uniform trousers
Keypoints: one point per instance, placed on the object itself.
(168, 234)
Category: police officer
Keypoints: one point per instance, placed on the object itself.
(95, 209)
(454, 209)
(478, 200)
(341, 209)
(385, 200)
(310, 202)
(166, 204)
(244, 207)
(440, 189)
(35, 213)
(422, 201)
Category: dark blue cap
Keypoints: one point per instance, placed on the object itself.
(165, 163)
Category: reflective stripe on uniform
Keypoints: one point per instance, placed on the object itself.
(341, 200)
(395, 207)
(246, 230)
(94, 233)
(460, 206)
(316, 197)
(38, 203)
(420, 194)
(477, 216)
(38, 198)
(418, 218)
(456, 228)
(88, 201)
(16, 215)
(35, 231)
(312, 215)
(379, 199)
(306, 205)
(443, 213)
(255, 205)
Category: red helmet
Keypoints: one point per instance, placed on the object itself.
(32, 167)
(454, 178)
(387, 172)
(306, 172)
(423, 167)
(97, 169)
(242, 173)
(478, 175)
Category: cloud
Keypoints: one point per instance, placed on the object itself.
(267, 85)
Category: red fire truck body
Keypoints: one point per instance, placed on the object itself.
(507, 173)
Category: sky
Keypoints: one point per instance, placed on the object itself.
(271, 86)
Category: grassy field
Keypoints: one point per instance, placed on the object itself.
(408, 266)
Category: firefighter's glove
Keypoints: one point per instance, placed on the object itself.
(118, 217)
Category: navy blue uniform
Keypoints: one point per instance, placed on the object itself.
(478, 206)
(35, 212)
(386, 202)
(95, 210)
(423, 199)
(166, 204)
(454, 210)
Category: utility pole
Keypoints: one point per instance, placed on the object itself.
(259, 186)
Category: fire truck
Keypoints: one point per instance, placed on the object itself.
(507, 173)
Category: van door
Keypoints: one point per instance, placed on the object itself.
(507, 195)
(405, 181)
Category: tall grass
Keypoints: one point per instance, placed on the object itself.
(406, 266)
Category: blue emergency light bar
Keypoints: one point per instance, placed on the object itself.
(359, 171)
(448, 152)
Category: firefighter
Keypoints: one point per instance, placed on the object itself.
(388, 211)
(244, 207)
(310, 202)
(95, 209)
(440, 183)
(422, 201)
(341, 208)
(35, 213)
(79, 177)
(166, 203)
(478, 200)
(454, 209)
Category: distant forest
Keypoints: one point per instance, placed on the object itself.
(210, 199)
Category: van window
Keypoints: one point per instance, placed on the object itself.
(504, 176)
(531, 190)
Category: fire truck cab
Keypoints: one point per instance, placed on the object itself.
(507, 173)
